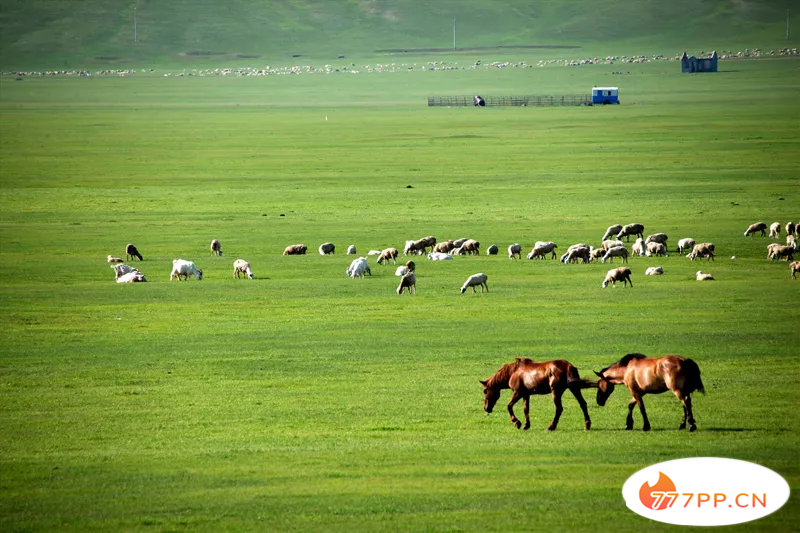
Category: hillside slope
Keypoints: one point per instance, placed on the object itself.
(57, 34)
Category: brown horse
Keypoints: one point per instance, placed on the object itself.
(643, 375)
(525, 377)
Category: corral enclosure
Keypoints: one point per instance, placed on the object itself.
(306, 400)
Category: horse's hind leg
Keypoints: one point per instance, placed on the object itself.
(646, 425)
(527, 408)
(514, 399)
(587, 425)
(559, 409)
(687, 405)
(629, 420)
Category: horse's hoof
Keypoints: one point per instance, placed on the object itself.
(682, 426)
(551, 428)
(628, 428)
(518, 424)
(587, 426)
(527, 426)
(646, 428)
(692, 428)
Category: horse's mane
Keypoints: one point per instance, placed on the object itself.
(625, 360)
(504, 374)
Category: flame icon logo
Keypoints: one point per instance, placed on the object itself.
(664, 484)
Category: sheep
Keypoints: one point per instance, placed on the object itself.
(243, 267)
(472, 247)
(327, 248)
(753, 228)
(131, 252)
(121, 269)
(296, 249)
(611, 231)
(791, 241)
(460, 242)
(795, 268)
(514, 250)
(775, 230)
(351, 250)
(112, 259)
(596, 253)
(783, 251)
(388, 253)
(654, 271)
(656, 248)
(702, 276)
(439, 256)
(181, 268)
(617, 251)
(492, 249)
(607, 244)
(444, 247)
(475, 280)
(577, 251)
(771, 249)
(458, 251)
(374, 252)
(704, 249)
(638, 248)
(414, 247)
(358, 268)
(134, 276)
(427, 242)
(685, 244)
(401, 271)
(408, 281)
(790, 228)
(216, 248)
(631, 229)
(614, 275)
(542, 248)
(657, 237)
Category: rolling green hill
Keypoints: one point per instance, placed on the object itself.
(91, 33)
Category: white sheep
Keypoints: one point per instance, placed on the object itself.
(654, 271)
(577, 251)
(121, 270)
(112, 259)
(542, 248)
(327, 248)
(656, 248)
(685, 244)
(458, 251)
(351, 250)
(608, 244)
(439, 256)
(216, 248)
(408, 281)
(460, 242)
(134, 276)
(181, 268)
(358, 268)
(704, 249)
(514, 250)
(616, 251)
(614, 275)
(702, 276)
(756, 227)
(611, 231)
(475, 280)
(631, 229)
(240, 266)
(638, 248)
(794, 267)
(374, 252)
(775, 230)
(386, 255)
(657, 237)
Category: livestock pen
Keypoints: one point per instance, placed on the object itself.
(519, 101)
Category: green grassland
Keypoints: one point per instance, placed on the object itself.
(304, 400)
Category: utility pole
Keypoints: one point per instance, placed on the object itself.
(787, 24)
(454, 32)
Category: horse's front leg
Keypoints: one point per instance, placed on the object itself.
(629, 420)
(687, 404)
(527, 407)
(683, 399)
(587, 422)
(559, 409)
(646, 422)
(514, 399)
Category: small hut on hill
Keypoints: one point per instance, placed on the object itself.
(704, 64)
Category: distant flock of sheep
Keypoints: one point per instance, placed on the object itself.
(612, 246)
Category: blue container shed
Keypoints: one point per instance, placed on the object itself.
(605, 95)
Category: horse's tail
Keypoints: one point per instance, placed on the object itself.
(574, 381)
(693, 381)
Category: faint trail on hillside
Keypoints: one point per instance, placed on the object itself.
(473, 48)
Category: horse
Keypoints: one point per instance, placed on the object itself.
(644, 375)
(525, 377)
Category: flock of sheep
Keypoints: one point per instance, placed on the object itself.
(612, 247)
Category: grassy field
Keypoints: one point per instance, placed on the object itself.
(304, 400)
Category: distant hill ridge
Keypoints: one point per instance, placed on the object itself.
(93, 33)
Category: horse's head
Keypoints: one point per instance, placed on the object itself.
(490, 396)
(604, 389)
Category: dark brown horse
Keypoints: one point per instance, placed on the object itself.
(525, 377)
(643, 375)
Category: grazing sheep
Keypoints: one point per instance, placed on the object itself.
(611, 231)
(216, 248)
(475, 280)
(775, 230)
(439, 256)
(427, 242)
(781, 252)
(614, 275)
(181, 269)
(351, 250)
(387, 254)
(444, 247)
(492, 249)
(704, 249)
(514, 250)
(112, 259)
(472, 247)
(296, 249)
(753, 228)
(790, 228)
(542, 248)
(577, 251)
(608, 244)
(656, 248)
(631, 229)
(791, 241)
(654, 271)
(458, 251)
(131, 252)
(771, 249)
(358, 268)
(327, 248)
(657, 237)
(411, 266)
(685, 244)
(617, 251)
(240, 266)
(795, 268)
(596, 253)
(702, 276)
(638, 248)
(414, 248)
(460, 242)
(408, 281)
(401, 271)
